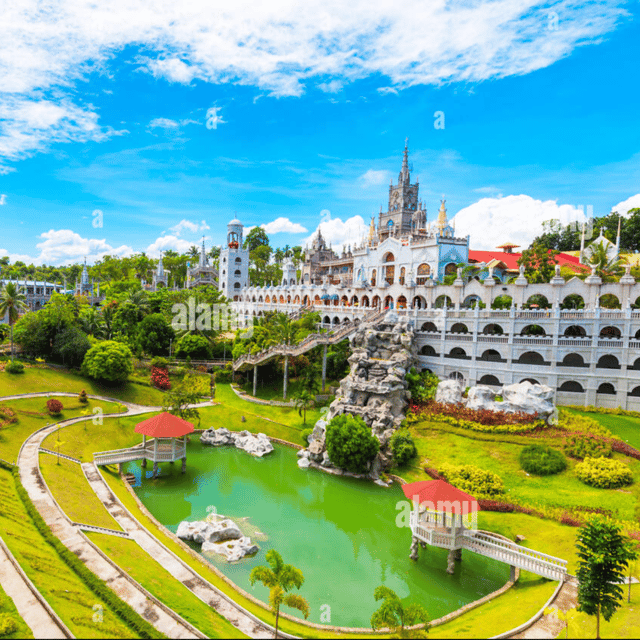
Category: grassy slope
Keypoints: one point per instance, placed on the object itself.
(160, 583)
(70, 488)
(70, 598)
(624, 427)
(273, 391)
(32, 415)
(7, 606)
(45, 379)
(437, 444)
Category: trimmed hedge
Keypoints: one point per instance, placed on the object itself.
(542, 461)
(580, 447)
(605, 410)
(403, 447)
(304, 436)
(472, 480)
(484, 417)
(582, 424)
(604, 473)
(136, 623)
(8, 624)
(485, 428)
(14, 367)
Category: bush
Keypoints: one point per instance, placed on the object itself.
(109, 361)
(486, 417)
(82, 397)
(14, 367)
(224, 375)
(403, 447)
(193, 346)
(304, 436)
(54, 407)
(486, 428)
(473, 480)
(8, 624)
(160, 362)
(604, 473)
(70, 346)
(422, 386)
(582, 424)
(580, 447)
(155, 334)
(160, 379)
(7, 416)
(350, 443)
(542, 461)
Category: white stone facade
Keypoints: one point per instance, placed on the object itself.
(234, 263)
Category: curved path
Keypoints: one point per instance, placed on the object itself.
(71, 536)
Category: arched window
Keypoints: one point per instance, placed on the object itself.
(238, 260)
(237, 273)
(389, 257)
(423, 273)
(373, 278)
(450, 269)
(402, 275)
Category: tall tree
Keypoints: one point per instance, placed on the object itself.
(603, 555)
(304, 401)
(280, 578)
(12, 302)
(257, 237)
(539, 263)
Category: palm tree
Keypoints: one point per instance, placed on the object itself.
(91, 323)
(606, 266)
(393, 615)
(138, 298)
(283, 332)
(304, 401)
(12, 302)
(280, 578)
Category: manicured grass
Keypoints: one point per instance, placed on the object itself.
(624, 427)
(160, 583)
(41, 378)
(33, 415)
(67, 594)
(437, 444)
(206, 571)
(7, 606)
(70, 488)
(273, 389)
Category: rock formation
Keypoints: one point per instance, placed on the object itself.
(524, 396)
(220, 535)
(374, 389)
(257, 445)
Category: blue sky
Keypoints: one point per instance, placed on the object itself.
(105, 109)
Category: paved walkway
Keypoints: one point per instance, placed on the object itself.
(174, 565)
(19, 588)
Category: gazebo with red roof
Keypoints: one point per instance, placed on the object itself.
(438, 518)
(169, 442)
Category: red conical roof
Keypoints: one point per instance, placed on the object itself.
(164, 425)
(439, 492)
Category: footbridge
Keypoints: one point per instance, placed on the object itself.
(248, 361)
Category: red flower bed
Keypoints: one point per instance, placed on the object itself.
(620, 446)
(481, 416)
(160, 378)
(54, 407)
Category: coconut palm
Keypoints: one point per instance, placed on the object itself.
(91, 323)
(280, 578)
(606, 265)
(12, 302)
(138, 298)
(283, 332)
(393, 615)
(304, 401)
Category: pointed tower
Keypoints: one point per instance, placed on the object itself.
(159, 277)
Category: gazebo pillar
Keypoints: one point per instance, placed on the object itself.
(413, 553)
(184, 448)
(144, 448)
(155, 456)
(173, 449)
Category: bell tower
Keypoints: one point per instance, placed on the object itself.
(403, 203)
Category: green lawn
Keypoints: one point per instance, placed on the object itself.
(624, 427)
(67, 594)
(160, 583)
(33, 415)
(437, 444)
(41, 378)
(76, 498)
(8, 607)
(273, 390)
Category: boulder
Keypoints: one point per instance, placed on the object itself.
(319, 430)
(527, 397)
(304, 463)
(482, 397)
(257, 445)
(449, 392)
(223, 530)
(232, 550)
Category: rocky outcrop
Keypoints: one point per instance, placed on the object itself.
(524, 396)
(374, 389)
(257, 445)
(219, 536)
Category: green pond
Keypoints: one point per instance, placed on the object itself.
(340, 532)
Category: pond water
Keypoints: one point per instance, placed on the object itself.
(340, 532)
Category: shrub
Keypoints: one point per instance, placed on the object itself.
(473, 480)
(193, 346)
(155, 334)
(8, 624)
(160, 362)
(82, 397)
(604, 473)
(435, 410)
(14, 367)
(109, 361)
(350, 443)
(304, 436)
(54, 407)
(485, 428)
(7, 416)
(422, 386)
(582, 424)
(542, 461)
(224, 375)
(403, 447)
(160, 379)
(580, 447)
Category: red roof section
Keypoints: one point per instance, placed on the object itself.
(437, 492)
(164, 425)
(511, 259)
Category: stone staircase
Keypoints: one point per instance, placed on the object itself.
(247, 361)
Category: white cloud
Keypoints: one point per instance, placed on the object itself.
(275, 47)
(3, 199)
(517, 219)
(168, 242)
(374, 178)
(164, 123)
(340, 233)
(331, 87)
(283, 225)
(387, 90)
(630, 203)
(187, 225)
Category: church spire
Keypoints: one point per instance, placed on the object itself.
(160, 272)
(404, 177)
(85, 273)
(203, 255)
(442, 221)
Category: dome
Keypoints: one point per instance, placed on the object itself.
(236, 223)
